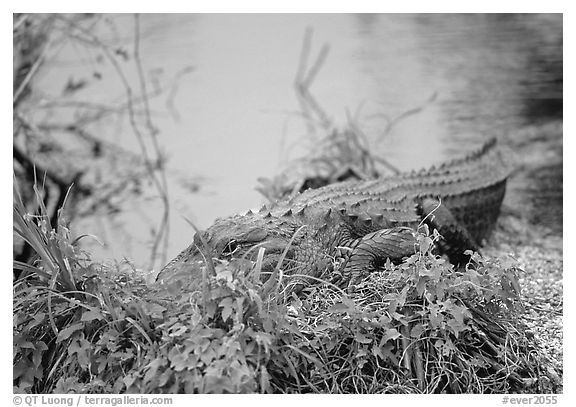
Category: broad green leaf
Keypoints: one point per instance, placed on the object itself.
(417, 331)
(456, 326)
(384, 319)
(129, 381)
(339, 307)
(425, 243)
(177, 329)
(226, 305)
(376, 351)
(91, 315)
(514, 282)
(82, 348)
(264, 380)
(152, 369)
(68, 331)
(391, 334)
(362, 338)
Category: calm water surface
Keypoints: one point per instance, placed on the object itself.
(482, 75)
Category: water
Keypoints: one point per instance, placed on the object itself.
(475, 76)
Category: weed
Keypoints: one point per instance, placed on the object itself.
(421, 326)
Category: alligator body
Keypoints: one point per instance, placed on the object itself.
(356, 225)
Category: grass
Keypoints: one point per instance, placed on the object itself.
(418, 327)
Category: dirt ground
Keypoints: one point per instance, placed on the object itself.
(530, 229)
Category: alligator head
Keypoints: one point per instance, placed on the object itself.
(238, 237)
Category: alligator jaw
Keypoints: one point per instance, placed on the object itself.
(232, 238)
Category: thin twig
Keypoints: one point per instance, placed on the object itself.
(29, 76)
(160, 184)
(304, 79)
(164, 230)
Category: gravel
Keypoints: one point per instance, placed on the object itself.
(539, 253)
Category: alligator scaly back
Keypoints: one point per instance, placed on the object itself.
(373, 220)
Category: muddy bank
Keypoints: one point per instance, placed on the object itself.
(535, 190)
(530, 230)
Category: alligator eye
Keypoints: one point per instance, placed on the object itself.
(230, 248)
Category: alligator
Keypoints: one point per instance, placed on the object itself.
(353, 227)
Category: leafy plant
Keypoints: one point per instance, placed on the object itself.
(421, 326)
